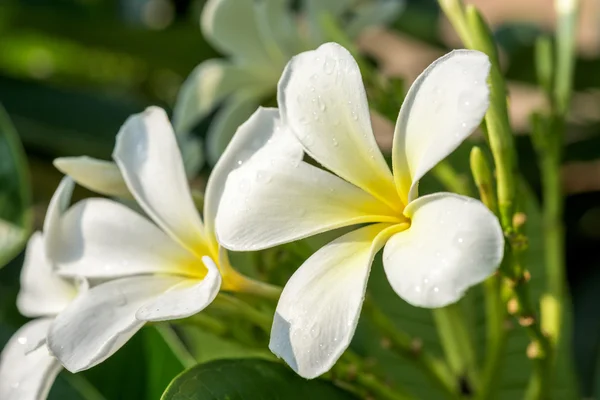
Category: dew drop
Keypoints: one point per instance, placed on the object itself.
(308, 140)
(240, 162)
(243, 186)
(436, 289)
(354, 116)
(335, 142)
(22, 340)
(315, 116)
(320, 103)
(418, 289)
(328, 66)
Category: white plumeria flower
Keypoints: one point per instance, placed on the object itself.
(27, 369)
(259, 37)
(162, 265)
(435, 246)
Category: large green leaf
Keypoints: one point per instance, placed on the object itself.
(15, 192)
(248, 379)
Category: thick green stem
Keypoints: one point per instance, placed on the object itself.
(84, 387)
(407, 347)
(235, 306)
(458, 343)
(494, 304)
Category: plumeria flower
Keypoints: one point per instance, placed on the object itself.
(27, 369)
(259, 37)
(163, 265)
(435, 246)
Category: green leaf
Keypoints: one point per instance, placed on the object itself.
(16, 218)
(162, 365)
(248, 379)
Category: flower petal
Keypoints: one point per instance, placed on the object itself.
(24, 374)
(225, 123)
(319, 308)
(322, 99)
(96, 175)
(262, 136)
(150, 161)
(104, 239)
(42, 293)
(185, 299)
(98, 322)
(206, 87)
(264, 206)
(442, 108)
(58, 204)
(453, 243)
(230, 26)
(315, 9)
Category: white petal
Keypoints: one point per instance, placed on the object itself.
(104, 239)
(373, 13)
(192, 154)
(230, 26)
(453, 243)
(322, 99)
(26, 375)
(278, 27)
(42, 293)
(319, 308)
(98, 322)
(227, 120)
(206, 87)
(185, 299)
(264, 205)
(96, 175)
(262, 136)
(150, 161)
(58, 204)
(442, 108)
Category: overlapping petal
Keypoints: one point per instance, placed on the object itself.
(442, 108)
(319, 308)
(234, 112)
(99, 321)
(58, 204)
(42, 292)
(151, 164)
(230, 26)
(104, 239)
(184, 299)
(96, 175)
(207, 86)
(453, 243)
(265, 205)
(25, 374)
(261, 136)
(322, 99)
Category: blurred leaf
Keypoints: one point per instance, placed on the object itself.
(16, 218)
(248, 379)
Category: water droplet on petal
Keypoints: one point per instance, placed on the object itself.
(22, 340)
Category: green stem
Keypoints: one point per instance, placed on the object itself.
(84, 387)
(351, 370)
(452, 180)
(235, 306)
(458, 342)
(405, 346)
(177, 347)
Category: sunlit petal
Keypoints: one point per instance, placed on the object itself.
(58, 204)
(442, 108)
(42, 292)
(453, 243)
(185, 299)
(322, 99)
(262, 136)
(99, 321)
(263, 206)
(96, 175)
(319, 308)
(150, 161)
(24, 374)
(104, 239)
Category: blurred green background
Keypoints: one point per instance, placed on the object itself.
(71, 72)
